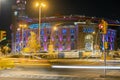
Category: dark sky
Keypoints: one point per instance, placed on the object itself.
(5, 13)
(98, 8)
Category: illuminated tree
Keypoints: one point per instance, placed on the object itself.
(32, 45)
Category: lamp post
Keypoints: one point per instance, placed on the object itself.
(40, 5)
(22, 26)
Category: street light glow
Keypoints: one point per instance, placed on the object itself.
(25, 26)
(40, 4)
(18, 29)
(93, 32)
(22, 25)
(43, 5)
(55, 28)
(37, 4)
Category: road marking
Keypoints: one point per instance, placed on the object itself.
(87, 67)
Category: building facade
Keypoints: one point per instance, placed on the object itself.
(67, 36)
(72, 33)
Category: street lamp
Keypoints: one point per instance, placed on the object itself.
(22, 26)
(55, 28)
(40, 5)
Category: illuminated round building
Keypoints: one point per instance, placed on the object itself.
(72, 33)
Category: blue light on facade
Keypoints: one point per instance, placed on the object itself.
(64, 31)
(72, 31)
(43, 25)
(42, 32)
(33, 26)
(88, 29)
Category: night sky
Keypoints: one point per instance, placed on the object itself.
(98, 8)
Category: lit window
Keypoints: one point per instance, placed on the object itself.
(72, 31)
(42, 32)
(64, 31)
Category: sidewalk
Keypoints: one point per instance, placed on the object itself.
(18, 60)
(88, 60)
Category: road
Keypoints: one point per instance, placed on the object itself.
(50, 74)
(47, 73)
(44, 71)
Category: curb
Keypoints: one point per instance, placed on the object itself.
(32, 65)
(109, 76)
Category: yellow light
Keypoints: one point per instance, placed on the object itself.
(18, 29)
(93, 32)
(55, 28)
(43, 5)
(19, 25)
(40, 4)
(25, 26)
(37, 4)
(22, 25)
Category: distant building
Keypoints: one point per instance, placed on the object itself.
(69, 35)
(72, 33)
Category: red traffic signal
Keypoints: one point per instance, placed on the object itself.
(103, 26)
(100, 26)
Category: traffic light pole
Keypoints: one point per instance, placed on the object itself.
(103, 27)
(104, 53)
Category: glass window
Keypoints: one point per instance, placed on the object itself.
(48, 31)
(57, 37)
(64, 37)
(72, 36)
(64, 31)
(72, 31)
(48, 37)
(42, 32)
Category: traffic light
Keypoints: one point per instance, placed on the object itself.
(3, 35)
(103, 26)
